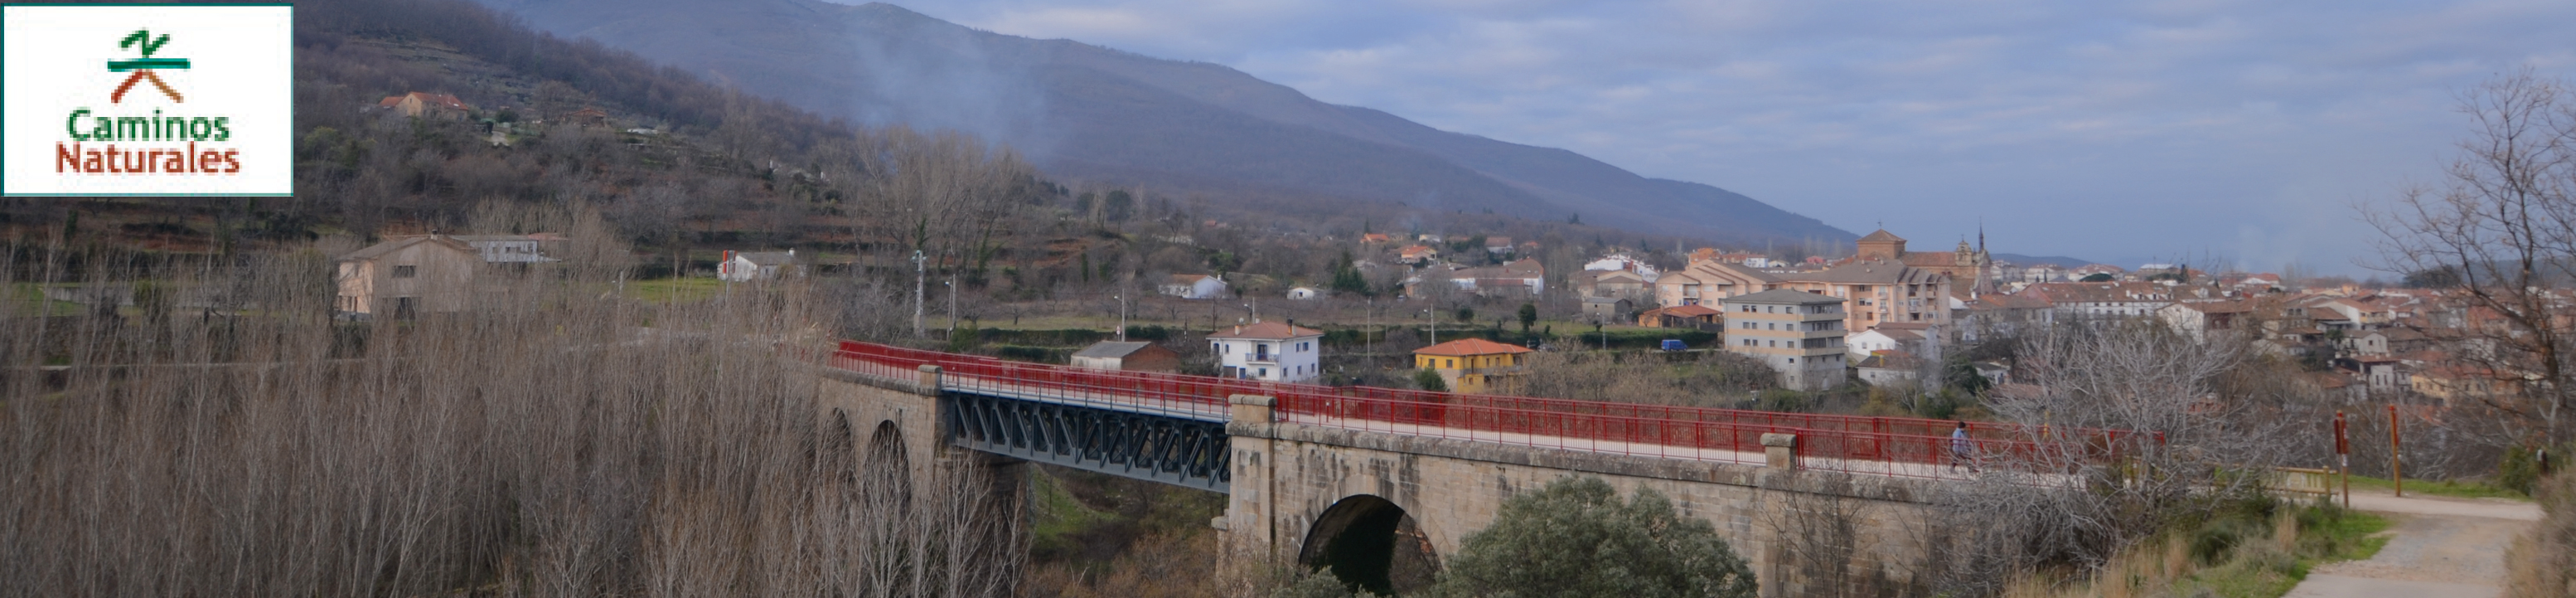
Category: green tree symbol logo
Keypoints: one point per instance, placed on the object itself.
(142, 67)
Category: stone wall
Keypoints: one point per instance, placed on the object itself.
(1805, 533)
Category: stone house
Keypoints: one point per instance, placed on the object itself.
(406, 276)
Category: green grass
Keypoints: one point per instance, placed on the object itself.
(2459, 489)
(2256, 568)
(28, 299)
(1055, 516)
(681, 290)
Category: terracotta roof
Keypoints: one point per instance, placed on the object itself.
(1267, 331)
(1869, 272)
(1881, 235)
(1472, 346)
(1691, 311)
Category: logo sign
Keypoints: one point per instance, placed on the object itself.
(149, 100)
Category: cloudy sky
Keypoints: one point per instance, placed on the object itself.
(2115, 131)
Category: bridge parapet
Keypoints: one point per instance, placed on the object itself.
(1294, 484)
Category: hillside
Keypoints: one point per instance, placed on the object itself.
(1084, 112)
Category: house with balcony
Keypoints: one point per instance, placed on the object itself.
(1705, 282)
(1797, 333)
(1476, 366)
(1268, 351)
(1879, 291)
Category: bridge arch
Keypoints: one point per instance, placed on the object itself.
(1371, 543)
(885, 472)
(837, 451)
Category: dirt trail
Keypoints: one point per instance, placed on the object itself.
(2445, 547)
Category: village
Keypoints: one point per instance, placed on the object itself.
(1882, 315)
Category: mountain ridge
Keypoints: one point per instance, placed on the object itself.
(1091, 112)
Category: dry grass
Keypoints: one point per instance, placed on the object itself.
(542, 444)
(2542, 563)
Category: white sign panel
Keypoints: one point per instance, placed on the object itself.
(142, 100)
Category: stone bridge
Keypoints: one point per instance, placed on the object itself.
(1382, 484)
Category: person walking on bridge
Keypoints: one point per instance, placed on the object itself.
(1960, 447)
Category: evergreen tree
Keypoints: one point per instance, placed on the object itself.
(1574, 538)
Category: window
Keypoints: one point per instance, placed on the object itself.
(406, 271)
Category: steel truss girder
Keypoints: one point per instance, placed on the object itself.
(1172, 450)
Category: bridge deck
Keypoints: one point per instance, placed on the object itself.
(1901, 447)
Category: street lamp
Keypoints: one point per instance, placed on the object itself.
(1122, 316)
(1435, 324)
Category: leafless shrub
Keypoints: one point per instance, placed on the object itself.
(2063, 505)
(1707, 379)
(551, 440)
(2542, 562)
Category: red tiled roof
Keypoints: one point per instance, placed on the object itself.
(1472, 346)
(1690, 311)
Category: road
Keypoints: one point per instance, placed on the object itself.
(2446, 547)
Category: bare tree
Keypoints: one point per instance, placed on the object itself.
(2499, 232)
(553, 439)
(2062, 492)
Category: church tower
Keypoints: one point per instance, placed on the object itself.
(1880, 246)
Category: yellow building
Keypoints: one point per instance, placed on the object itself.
(1475, 366)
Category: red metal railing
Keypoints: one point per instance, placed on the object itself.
(1899, 446)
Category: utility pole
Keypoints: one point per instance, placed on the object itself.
(2396, 477)
(917, 282)
(1122, 316)
(952, 297)
(1433, 315)
(2343, 457)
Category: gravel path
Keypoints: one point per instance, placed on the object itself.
(2442, 547)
